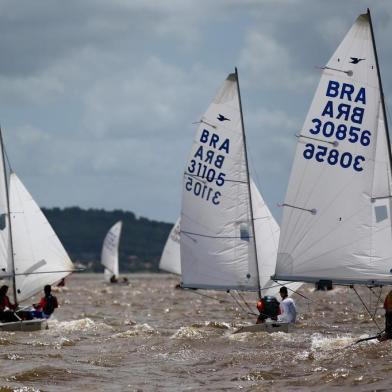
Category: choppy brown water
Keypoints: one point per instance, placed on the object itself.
(150, 337)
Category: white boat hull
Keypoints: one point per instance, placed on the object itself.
(266, 327)
(25, 325)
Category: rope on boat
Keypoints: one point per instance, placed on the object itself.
(367, 309)
(240, 305)
(246, 303)
(195, 291)
(288, 288)
(378, 299)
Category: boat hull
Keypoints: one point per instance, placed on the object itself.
(266, 327)
(25, 325)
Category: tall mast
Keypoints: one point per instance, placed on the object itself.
(248, 181)
(384, 112)
(9, 218)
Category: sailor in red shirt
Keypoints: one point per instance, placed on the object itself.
(46, 305)
(6, 307)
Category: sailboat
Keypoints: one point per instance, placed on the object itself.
(32, 256)
(228, 236)
(171, 259)
(267, 231)
(337, 212)
(109, 256)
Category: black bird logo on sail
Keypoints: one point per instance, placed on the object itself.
(221, 117)
(355, 60)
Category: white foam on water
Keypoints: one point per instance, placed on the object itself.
(137, 330)
(217, 324)
(81, 325)
(189, 333)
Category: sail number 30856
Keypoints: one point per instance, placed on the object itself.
(341, 132)
(333, 157)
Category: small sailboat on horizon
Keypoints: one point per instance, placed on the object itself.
(109, 255)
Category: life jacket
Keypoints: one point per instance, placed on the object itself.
(50, 304)
(260, 305)
(271, 306)
(5, 303)
(388, 302)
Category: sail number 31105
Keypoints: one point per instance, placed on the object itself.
(202, 190)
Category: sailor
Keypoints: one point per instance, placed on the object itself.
(113, 279)
(288, 311)
(388, 315)
(6, 307)
(268, 307)
(47, 304)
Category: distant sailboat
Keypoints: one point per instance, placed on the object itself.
(39, 256)
(109, 256)
(32, 256)
(337, 212)
(171, 258)
(222, 209)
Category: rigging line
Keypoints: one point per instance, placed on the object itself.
(7, 159)
(367, 309)
(205, 122)
(211, 236)
(334, 143)
(245, 302)
(213, 179)
(42, 272)
(378, 299)
(293, 291)
(240, 305)
(194, 291)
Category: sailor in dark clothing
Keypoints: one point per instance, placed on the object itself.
(7, 309)
(46, 305)
(388, 315)
(268, 307)
(113, 279)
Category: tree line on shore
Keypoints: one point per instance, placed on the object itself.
(82, 232)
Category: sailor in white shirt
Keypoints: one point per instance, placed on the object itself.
(288, 312)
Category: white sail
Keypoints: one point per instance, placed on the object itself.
(217, 242)
(109, 256)
(5, 248)
(38, 252)
(337, 212)
(171, 257)
(267, 240)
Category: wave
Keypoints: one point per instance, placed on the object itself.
(81, 325)
(137, 330)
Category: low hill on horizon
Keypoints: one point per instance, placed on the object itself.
(82, 231)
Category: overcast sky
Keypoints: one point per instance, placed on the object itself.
(97, 98)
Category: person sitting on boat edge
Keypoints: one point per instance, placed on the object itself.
(7, 309)
(47, 304)
(268, 307)
(288, 311)
(113, 279)
(388, 317)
